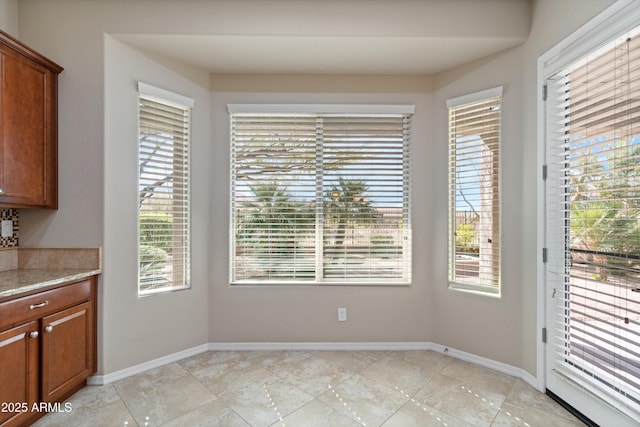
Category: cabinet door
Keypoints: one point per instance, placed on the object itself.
(67, 350)
(18, 373)
(27, 131)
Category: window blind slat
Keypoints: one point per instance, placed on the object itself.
(164, 218)
(474, 207)
(593, 210)
(320, 198)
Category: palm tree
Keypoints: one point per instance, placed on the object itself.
(346, 204)
(271, 221)
(604, 208)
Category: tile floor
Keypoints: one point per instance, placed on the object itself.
(314, 388)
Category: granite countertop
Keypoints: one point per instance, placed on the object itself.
(27, 270)
(15, 282)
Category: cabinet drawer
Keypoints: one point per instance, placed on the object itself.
(43, 303)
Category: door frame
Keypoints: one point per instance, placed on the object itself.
(623, 15)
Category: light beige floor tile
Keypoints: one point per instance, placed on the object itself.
(523, 395)
(162, 374)
(267, 359)
(354, 361)
(317, 414)
(287, 358)
(155, 399)
(231, 378)
(267, 388)
(212, 414)
(91, 406)
(266, 402)
(313, 374)
(511, 415)
(426, 358)
(209, 359)
(364, 400)
(400, 375)
(472, 374)
(414, 414)
(467, 402)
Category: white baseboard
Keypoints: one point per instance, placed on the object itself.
(273, 346)
(145, 366)
(320, 346)
(491, 364)
(534, 382)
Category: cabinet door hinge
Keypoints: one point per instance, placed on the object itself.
(544, 172)
(544, 92)
(545, 254)
(544, 335)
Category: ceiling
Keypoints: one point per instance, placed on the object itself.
(423, 38)
(320, 55)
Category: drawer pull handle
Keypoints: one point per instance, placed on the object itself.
(48, 328)
(34, 334)
(42, 304)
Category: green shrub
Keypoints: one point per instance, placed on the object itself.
(152, 260)
(382, 240)
(155, 230)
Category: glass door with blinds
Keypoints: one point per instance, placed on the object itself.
(592, 202)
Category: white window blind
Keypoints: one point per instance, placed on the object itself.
(593, 217)
(163, 209)
(474, 191)
(320, 198)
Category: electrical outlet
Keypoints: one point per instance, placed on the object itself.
(7, 228)
(342, 314)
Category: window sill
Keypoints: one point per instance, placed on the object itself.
(477, 290)
(314, 284)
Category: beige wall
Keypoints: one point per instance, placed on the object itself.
(97, 180)
(9, 17)
(309, 314)
(470, 322)
(553, 21)
(135, 330)
(505, 329)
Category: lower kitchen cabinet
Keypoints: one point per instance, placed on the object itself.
(66, 351)
(47, 349)
(18, 373)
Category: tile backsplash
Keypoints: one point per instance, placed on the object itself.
(9, 214)
(29, 258)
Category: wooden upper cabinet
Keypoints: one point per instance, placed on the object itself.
(28, 127)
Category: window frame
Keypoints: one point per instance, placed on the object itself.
(475, 286)
(173, 100)
(318, 110)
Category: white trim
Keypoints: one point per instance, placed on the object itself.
(480, 361)
(166, 96)
(320, 108)
(321, 346)
(317, 346)
(474, 97)
(487, 291)
(622, 16)
(541, 307)
(593, 402)
(145, 366)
